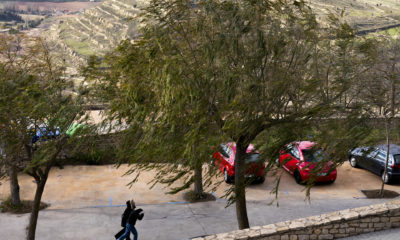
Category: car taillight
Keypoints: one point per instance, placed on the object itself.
(395, 166)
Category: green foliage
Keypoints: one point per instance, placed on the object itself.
(93, 157)
(7, 16)
(207, 72)
(33, 99)
(13, 31)
(34, 23)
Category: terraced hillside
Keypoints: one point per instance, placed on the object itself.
(97, 30)
(101, 28)
(363, 15)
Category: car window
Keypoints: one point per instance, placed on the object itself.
(294, 151)
(288, 148)
(224, 151)
(229, 151)
(373, 153)
(381, 156)
(252, 157)
(362, 151)
(311, 155)
(396, 159)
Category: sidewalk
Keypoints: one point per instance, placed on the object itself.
(164, 221)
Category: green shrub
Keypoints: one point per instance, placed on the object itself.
(94, 157)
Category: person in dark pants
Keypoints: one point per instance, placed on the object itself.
(125, 217)
(133, 217)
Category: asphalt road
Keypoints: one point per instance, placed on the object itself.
(164, 221)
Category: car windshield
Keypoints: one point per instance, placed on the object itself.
(311, 155)
(396, 159)
(252, 157)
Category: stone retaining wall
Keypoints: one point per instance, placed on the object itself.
(333, 225)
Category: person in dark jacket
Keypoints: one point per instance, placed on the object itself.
(133, 217)
(124, 219)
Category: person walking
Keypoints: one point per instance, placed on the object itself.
(124, 220)
(130, 224)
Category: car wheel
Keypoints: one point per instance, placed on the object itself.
(297, 177)
(385, 177)
(353, 162)
(261, 180)
(331, 181)
(227, 178)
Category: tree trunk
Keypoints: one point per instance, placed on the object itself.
(41, 179)
(240, 191)
(387, 158)
(387, 125)
(198, 179)
(35, 209)
(14, 186)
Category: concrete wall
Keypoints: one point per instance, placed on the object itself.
(333, 225)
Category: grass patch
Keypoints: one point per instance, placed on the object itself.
(25, 207)
(82, 48)
(391, 32)
(192, 197)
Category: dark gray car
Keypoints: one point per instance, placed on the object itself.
(374, 158)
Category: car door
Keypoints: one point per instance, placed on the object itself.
(369, 161)
(284, 156)
(378, 163)
(222, 157)
(295, 159)
(361, 155)
(290, 157)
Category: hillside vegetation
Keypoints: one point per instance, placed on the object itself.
(101, 28)
(98, 29)
(363, 15)
(10, 16)
(51, 1)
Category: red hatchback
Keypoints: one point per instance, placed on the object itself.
(301, 159)
(225, 161)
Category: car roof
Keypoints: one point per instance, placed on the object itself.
(305, 144)
(393, 148)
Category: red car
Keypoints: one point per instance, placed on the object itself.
(301, 159)
(225, 161)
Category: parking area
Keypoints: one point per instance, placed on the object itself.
(88, 186)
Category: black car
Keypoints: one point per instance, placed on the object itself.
(374, 159)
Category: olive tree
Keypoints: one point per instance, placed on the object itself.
(38, 111)
(11, 65)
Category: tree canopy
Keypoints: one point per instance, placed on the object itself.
(211, 71)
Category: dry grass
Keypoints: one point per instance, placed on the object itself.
(25, 207)
(51, 6)
(192, 197)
